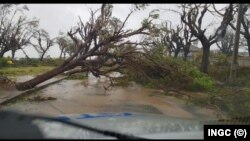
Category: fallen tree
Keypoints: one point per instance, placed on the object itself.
(100, 46)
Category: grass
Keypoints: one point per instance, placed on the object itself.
(234, 101)
(233, 98)
(18, 71)
(78, 76)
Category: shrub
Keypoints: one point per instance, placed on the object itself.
(221, 59)
(24, 62)
(51, 62)
(234, 103)
(3, 62)
(122, 81)
(77, 76)
(170, 72)
(35, 62)
(202, 83)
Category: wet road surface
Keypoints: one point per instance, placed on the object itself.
(89, 96)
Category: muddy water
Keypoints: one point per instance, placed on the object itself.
(8, 92)
(89, 96)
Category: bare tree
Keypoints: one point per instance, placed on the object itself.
(187, 42)
(192, 16)
(101, 40)
(245, 30)
(65, 45)
(26, 55)
(43, 42)
(245, 25)
(171, 40)
(15, 34)
(180, 39)
(226, 44)
(234, 63)
(157, 43)
(174, 40)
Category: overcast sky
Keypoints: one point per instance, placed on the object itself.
(61, 17)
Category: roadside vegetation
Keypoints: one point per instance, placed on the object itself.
(232, 98)
(159, 60)
(11, 67)
(19, 71)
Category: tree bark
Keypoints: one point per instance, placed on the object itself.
(41, 78)
(64, 55)
(234, 63)
(13, 52)
(185, 55)
(91, 47)
(176, 54)
(1, 54)
(41, 58)
(248, 46)
(205, 59)
(26, 56)
(60, 57)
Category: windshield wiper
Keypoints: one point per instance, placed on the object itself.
(93, 129)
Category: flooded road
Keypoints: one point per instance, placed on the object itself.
(89, 96)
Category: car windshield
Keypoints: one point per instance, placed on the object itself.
(134, 69)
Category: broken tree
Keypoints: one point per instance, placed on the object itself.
(99, 47)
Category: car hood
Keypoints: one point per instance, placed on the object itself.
(146, 125)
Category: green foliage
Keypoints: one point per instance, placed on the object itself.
(51, 62)
(200, 81)
(166, 72)
(243, 77)
(154, 14)
(146, 23)
(14, 71)
(139, 6)
(23, 62)
(222, 59)
(122, 81)
(236, 102)
(3, 62)
(233, 101)
(234, 97)
(34, 62)
(77, 76)
(198, 58)
(220, 73)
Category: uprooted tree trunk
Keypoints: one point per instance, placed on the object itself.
(101, 49)
(41, 78)
(44, 43)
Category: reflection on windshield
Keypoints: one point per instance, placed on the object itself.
(137, 124)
